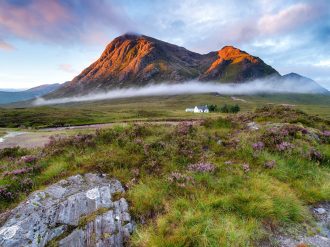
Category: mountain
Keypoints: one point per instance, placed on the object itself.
(136, 60)
(303, 83)
(233, 65)
(10, 97)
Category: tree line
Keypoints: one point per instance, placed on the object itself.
(226, 108)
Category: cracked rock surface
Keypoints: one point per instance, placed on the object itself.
(77, 211)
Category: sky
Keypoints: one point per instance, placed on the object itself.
(52, 41)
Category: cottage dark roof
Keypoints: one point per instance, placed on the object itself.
(202, 107)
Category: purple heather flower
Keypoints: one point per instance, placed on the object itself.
(258, 146)
(201, 167)
(326, 133)
(284, 146)
(18, 171)
(28, 159)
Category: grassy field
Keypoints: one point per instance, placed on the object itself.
(148, 108)
(217, 183)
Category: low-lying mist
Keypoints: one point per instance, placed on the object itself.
(191, 87)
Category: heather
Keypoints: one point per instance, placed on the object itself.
(210, 183)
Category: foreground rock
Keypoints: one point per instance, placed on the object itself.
(78, 211)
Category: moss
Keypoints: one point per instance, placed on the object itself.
(54, 241)
(84, 220)
(117, 196)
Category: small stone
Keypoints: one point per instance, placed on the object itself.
(253, 126)
(320, 210)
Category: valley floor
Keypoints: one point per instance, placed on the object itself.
(160, 108)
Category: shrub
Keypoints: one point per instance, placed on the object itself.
(213, 108)
(12, 152)
(6, 195)
(225, 108)
(230, 108)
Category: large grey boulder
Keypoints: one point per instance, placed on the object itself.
(78, 211)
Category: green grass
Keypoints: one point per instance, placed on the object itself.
(148, 108)
(2, 133)
(225, 207)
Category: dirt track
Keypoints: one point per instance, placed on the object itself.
(38, 138)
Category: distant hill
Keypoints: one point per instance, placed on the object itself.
(303, 83)
(10, 97)
(11, 90)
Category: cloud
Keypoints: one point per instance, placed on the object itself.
(287, 19)
(323, 63)
(67, 68)
(60, 21)
(6, 46)
(35, 19)
(191, 87)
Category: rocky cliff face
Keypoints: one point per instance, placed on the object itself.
(79, 211)
(136, 60)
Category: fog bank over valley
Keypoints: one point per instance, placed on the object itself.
(191, 87)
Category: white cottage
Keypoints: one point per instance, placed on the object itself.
(198, 109)
(189, 109)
